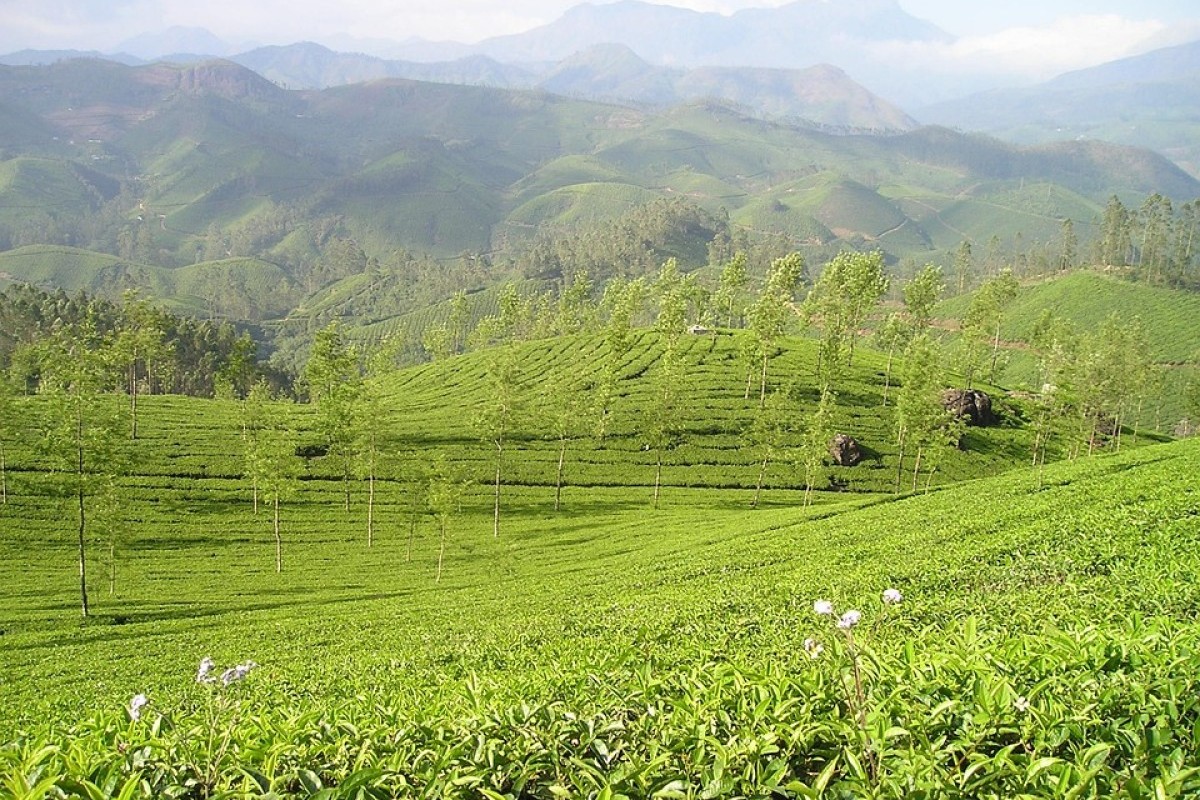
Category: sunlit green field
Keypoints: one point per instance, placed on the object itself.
(1046, 644)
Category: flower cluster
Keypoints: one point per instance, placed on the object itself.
(231, 675)
(138, 702)
(847, 620)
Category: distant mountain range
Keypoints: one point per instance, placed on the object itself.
(1152, 100)
(213, 147)
(822, 63)
(822, 94)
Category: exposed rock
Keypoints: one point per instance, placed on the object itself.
(844, 450)
(970, 404)
(309, 451)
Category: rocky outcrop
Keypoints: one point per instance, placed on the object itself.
(971, 405)
(844, 450)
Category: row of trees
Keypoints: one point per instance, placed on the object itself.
(1158, 240)
(86, 367)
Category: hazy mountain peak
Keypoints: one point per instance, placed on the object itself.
(176, 39)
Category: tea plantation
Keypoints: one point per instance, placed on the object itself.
(1045, 645)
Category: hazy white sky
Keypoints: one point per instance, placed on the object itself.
(1040, 37)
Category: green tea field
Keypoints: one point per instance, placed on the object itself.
(1044, 642)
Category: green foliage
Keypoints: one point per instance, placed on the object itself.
(1026, 657)
(922, 423)
(81, 424)
(849, 288)
(162, 352)
(334, 382)
(818, 430)
(768, 317)
(921, 294)
(982, 325)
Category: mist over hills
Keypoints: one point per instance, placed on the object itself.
(1151, 100)
(858, 64)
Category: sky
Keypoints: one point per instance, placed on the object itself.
(1038, 39)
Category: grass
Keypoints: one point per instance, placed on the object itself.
(605, 649)
(671, 638)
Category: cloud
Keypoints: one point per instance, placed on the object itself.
(1039, 53)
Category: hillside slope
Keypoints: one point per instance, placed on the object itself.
(223, 156)
(613, 630)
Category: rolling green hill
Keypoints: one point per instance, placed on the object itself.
(1085, 300)
(445, 169)
(240, 288)
(605, 647)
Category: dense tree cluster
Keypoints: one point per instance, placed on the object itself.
(154, 351)
(1157, 241)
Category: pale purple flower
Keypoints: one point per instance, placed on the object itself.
(813, 648)
(823, 607)
(234, 674)
(849, 619)
(202, 675)
(136, 705)
(892, 596)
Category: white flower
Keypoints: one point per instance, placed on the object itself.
(202, 675)
(892, 596)
(135, 706)
(1021, 704)
(849, 619)
(813, 648)
(234, 674)
(823, 607)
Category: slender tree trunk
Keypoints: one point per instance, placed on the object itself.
(562, 455)
(995, 353)
(79, 473)
(899, 466)
(749, 380)
(133, 398)
(112, 567)
(807, 488)
(917, 467)
(278, 540)
(3, 476)
(657, 478)
(762, 471)
(254, 485)
(496, 509)
(762, 383)
(346, 480)
(371, 509)
(887, 375)
(441, 552)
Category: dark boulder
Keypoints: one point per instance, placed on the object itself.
(310, 451)
(844, 450)
(971, 405)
